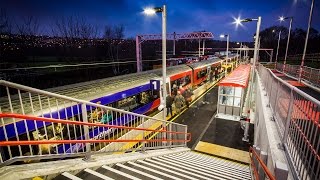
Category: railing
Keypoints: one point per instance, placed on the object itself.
(297, 117)
(56, 126)
(311, 75)
(258, 167)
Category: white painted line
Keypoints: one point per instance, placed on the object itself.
(95, 173)
(70, 176)
(165, 169)
(154, 171)
(137, 171)
(120, 173)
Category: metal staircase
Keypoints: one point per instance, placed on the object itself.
(181, 165)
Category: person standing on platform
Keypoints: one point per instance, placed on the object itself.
(169, 102)
(179, 101)
(174, 89)
(188, 96)
(211, 76)
(216, 73)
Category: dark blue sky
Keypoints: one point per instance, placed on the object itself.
(183, 15)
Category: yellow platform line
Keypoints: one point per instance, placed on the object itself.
(222, 151)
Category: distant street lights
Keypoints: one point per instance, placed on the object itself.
(281, 19)
(227, 51)
(163, 10)
(306, 42)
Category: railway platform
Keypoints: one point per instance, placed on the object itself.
(214, 136)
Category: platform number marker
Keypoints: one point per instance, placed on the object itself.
(154, 85)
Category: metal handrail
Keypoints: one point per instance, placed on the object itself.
(43, 119)
(26, 88)
(262, 164)
(310, 98)
(296, 114)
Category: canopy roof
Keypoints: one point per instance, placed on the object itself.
(238, 78)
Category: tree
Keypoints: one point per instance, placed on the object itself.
(5, 26)
(114, 36)
(29, 26)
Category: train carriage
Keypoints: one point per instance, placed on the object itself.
(129, 92)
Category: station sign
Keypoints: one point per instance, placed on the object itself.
(155, 85)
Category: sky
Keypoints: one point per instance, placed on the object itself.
(182, 15)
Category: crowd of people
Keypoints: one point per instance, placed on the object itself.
(179, 98)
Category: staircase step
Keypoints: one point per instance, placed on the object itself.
(220, 172)
(208, 165)
(70, 176)
(97, 175)
(179, 169)
(142, 174)
(110, 174)
(120, 173)
(172, 172)
(152, 171)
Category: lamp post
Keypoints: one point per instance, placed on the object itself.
(256, 44)
(227, 51)
(163, 10)
(281, 19)
(277, 53)
(306, 42)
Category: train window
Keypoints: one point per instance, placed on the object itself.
(202, 73)
(181, 81)
(138, 100)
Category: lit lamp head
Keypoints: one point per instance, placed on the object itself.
(238, 43)
(223, 35)
(282, 18)
(152, 11)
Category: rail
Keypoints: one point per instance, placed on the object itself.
(297, 117)
(107, 135)
(259, 168)
(308, 74)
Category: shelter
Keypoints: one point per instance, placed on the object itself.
(232, 89)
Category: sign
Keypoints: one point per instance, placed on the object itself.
(155, 85)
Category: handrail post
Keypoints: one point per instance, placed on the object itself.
(170, 135)
(86, 131)
(143, 148)
(185, 136)
(286, 130)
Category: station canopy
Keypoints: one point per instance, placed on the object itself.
(238, 78)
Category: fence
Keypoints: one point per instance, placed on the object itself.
(36, 124)
(258, 167)
(297, 117)
(308, 74)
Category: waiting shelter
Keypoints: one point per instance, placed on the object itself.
(232, 92)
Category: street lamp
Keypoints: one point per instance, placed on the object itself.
(306, 42)
(277, 45)
(227, 51)
(238, 22)
(281, 19)
(163, 10)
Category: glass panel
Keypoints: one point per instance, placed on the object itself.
(237, 102)
(226, 90)
(226, 100)
(238, 91)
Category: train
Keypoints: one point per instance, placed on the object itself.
(131, 92)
